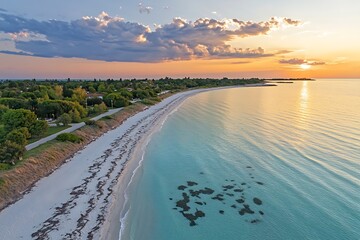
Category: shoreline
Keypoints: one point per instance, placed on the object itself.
(90, 197)
(113, 228)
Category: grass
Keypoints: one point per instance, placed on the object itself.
(37, 150)
(50, 131)
(4, 166)
(2, 181)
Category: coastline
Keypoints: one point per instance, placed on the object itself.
(115, 224)
(93, 186)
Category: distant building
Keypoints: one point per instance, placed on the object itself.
(95, 95)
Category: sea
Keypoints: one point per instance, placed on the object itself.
(276, 163)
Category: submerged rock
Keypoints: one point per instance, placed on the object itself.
(245, 210)
(238, 190)
(190, 183)
(257, 201)
(228, 187)
(218, 197)
(240, 200)
(182, 187)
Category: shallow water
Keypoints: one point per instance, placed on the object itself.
(286, 161)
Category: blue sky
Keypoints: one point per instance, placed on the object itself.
(249, 9)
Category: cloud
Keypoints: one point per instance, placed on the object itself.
(241, 62)
(145, 9)
(109, 38)
(2, 10)
(299, 61)
(292, 22)
(15, 53)
(293, 61)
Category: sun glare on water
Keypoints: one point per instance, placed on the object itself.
(305, 66)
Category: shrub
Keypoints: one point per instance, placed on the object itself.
(107, 117)
(90, 122)
(69, 137)
(150, 101)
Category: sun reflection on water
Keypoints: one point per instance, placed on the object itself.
(304, 97)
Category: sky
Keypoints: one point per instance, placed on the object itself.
(154, 39)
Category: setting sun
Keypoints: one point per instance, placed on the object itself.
(305, 66)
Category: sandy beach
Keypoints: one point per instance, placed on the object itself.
(86, 197)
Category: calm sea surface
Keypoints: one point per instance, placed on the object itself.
(253, 163)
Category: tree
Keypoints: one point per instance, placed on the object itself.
(116, 100)
(3, 110)
(101, 87)
(13, 119)
(58, 91)
(10, 152)
(14, 103)
(75, 116)
(17, 137)
(125, 93)
(39, 128)
(141, 94)
(92, 90)
(93, 101)
(25, 131)
(65, 119)
(100, 108)
(54, 108)
(79, 95)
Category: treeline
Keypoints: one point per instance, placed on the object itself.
(26, 104)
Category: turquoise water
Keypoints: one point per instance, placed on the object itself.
(295, 148)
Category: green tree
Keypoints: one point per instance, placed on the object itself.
(126, 94)
(100, 108)
(75, 116)
(65, 119)
(116, 100)
(17, 137)
(92, 90)
(25, 131)
(3, 110)
(101, 87)
(10, 152)
(39, 128)
(13, 119)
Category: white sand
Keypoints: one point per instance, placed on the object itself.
(84, 198)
